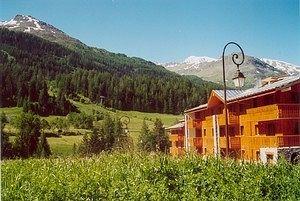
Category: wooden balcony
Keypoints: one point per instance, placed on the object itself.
(194, 123)
(289, 141)
(232, 119)
(289, 110)
(197, 142)
(234, 142)
(256, 142)
(275, 111)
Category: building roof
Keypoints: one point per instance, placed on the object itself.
(197, 108)
(233, 95)
(238, 94)
(179, 125)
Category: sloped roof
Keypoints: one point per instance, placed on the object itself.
(197, 108)
(179, 125)
(239, 94)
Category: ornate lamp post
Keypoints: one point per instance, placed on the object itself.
(125, 120)
(238, 80)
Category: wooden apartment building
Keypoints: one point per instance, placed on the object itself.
(263, 122)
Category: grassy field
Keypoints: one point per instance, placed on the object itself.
(135, 176)
(64, 146)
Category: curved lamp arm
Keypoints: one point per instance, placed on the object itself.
(235, 56)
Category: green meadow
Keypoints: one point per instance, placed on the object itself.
(64, 145)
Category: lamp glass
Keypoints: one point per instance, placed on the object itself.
(239, 81)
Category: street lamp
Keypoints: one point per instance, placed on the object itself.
(238, 79)
(125, 120)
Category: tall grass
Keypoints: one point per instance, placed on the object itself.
(147, 177)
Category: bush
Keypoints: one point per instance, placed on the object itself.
(155, 140)
(110, 136)
(81, 120)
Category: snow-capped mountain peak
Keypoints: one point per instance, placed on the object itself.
(198, 60)
(286, 67)
(29, 24)
(19, 20)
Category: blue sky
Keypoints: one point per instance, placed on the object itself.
(168, 30)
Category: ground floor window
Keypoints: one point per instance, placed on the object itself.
(258, 155)
(270, 158)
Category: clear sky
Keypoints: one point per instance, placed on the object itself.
(171, 30)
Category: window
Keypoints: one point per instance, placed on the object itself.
(231, 131)
(212, 131)
(198, 132)
(242, 130)
(204, 150)
(222, 131)
(270, 158)
(204, 132)
(271, 129)
(258, 155)
(256, 130)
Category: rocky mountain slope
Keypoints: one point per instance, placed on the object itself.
(211, 69)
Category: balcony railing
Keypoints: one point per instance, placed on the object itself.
(289, 110)
(194, 123)
(232, 119)
(257, 142)
(274, 111)
(289, 141)
(234, 142)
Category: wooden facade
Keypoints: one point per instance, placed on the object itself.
(177, 138)
(260, 119)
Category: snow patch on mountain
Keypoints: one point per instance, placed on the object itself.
(31, 23)
(198, 60)
(286, 67)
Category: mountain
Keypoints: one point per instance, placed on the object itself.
(211, 69)
(39, 28)
(34, 61)
(288, 68)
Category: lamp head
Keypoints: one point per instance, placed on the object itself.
(239, 79)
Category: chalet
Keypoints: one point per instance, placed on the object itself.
(263, 122)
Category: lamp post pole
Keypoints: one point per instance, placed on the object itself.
(239, 75)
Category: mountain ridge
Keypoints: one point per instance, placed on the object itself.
(211, 69)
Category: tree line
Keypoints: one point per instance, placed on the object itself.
(28, 64)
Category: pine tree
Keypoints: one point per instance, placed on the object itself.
(162, 142)
(146, 138)
(43, 147)
(44, 100)
(29, 132)
(6, 146)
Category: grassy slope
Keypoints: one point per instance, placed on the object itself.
(64, 145)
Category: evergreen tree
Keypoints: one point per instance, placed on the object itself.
(161, 138)
(146, 138)
(43, 147)
(44, 100)
(28, 137)
(6, 146)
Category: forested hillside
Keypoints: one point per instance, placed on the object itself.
(28, 64)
